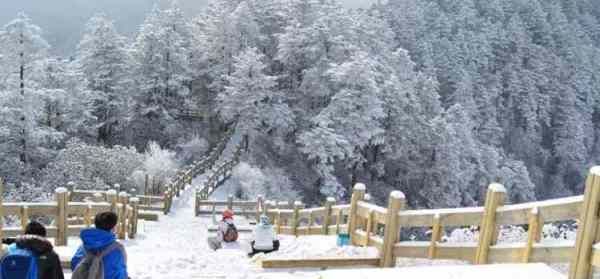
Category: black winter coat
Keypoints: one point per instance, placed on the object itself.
(48, 261)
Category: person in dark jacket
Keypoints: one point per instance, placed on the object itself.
(35, 241)
(95, 240)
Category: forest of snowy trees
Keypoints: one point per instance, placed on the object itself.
(436, 98)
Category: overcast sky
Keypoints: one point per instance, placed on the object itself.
(63, 20)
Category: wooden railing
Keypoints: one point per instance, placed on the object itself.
(149, 203)
(62, 212)
(379, 227)
(215, 178)
(249, 209)
(329, 219)
(243, 208)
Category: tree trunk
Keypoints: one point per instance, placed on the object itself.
(23, 156)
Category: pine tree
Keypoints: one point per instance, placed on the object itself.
(23, 46)
(104, 60)
(250, 97)
(163, 75)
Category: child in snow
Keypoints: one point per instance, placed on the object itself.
(226, 231)
(101, 241)
(264, 238)
(34, 240)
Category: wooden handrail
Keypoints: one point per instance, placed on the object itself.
(583, 253)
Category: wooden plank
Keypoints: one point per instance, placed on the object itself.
(80, 207)
(43, 209)
(151, 208)
(378, 212)
(319, 263)
(420, 249)
(333, 229)
(539, 253)
(467, 216)
(596, 257)
(240, 229)
(148, 216)
(550, 211)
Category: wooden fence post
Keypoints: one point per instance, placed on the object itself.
(327, 217)
(123, 201)
(167, 200)
(259, 207)
(146, 181)
(24, 217)
(368, 228)
(279, 221)
(392, 228)
(265, 208)
(230, 202)
(357, 195)
(61, 217)
(111, 198)
(581, 267)
(87, 217)
(133, 219)
(487, 231)
(532, 233)
(296, 218)
(197, 203)
(436, 234)
(70, 189)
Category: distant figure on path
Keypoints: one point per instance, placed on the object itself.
(226, 231)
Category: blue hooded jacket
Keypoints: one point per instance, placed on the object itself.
(95, 240)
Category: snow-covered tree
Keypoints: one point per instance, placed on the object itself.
(22, 47)
(355, 105)
(163, 74)
(250, 97)
(104, 60)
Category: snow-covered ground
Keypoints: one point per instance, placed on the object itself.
(176, 248)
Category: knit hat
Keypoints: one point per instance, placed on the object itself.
(228, 214)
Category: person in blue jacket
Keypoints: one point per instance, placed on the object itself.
(95, 240)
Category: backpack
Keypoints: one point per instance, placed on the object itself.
(231, 234)
(19, 264)
(92, 266)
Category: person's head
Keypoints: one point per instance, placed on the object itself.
(264, 220)
(35, 228)
(227, 214)
(106, 221)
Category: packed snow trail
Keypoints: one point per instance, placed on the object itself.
(176, 247)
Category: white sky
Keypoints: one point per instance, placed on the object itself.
(63, 20)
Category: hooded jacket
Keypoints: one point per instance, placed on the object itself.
(47, 260)
(94, 241)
